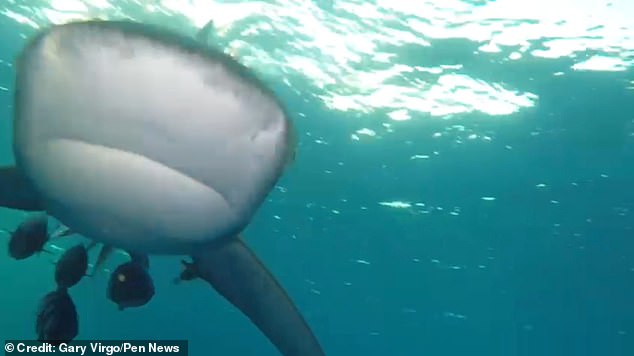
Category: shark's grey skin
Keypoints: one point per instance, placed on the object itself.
(148, 141)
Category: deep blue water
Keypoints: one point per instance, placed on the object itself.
(521, 244)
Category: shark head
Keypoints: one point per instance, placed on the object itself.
(143, 139)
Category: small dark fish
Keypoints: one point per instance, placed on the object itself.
(57, 319)
(71, 267)
(190, 271)
(29, 238)
(130, 285)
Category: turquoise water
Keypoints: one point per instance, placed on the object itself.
(463, 182)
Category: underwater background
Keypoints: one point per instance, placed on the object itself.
(463, 182)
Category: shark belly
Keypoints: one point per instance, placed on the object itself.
(128, 200)
(137, 140)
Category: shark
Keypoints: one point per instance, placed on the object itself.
(143, 139)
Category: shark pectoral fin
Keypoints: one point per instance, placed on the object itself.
(16, 192)
(237, 274)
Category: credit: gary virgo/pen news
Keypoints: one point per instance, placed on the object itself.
(97, 347)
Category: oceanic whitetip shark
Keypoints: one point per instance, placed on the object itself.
(148, 141)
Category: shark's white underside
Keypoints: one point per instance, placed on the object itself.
(143, 146)
(132, 136)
